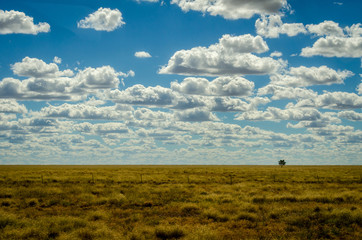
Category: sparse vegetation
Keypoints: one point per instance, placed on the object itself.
(180, 202)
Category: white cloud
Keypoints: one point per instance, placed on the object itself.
(282, 92)
(271, 26)
(46, 82)
(164, 97)
(326, 28)
(355, 30)
(303, 76)
(291, 114)
(57, 60)
(331, 46)
(33, 67)
(17, 22)
(141, 95)
(142, 54)
(195, 115)
(232, 9)
(337, 42)
(228, 104)
(222, 86)
(333, 100)
(359, 89)
(350, 115)
(231, 56)
(11, 106)
(104, 19)
(98, 78)
(85, 111)
(276, 54)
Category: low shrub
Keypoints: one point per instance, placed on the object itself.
(169, 232)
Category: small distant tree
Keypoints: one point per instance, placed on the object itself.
(282, 162)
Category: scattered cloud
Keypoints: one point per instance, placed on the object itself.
(85, 111)
(335, 47)
(333, 100)
(141, 95)
(46, 82)
(350, 115)
(57, 60)
(232, 9)
(11, 106)
(142, 54)
(272, 26)
(221, 86)
(326, 28)
(355, 30)
(104, 19)
(232, 55)
(290, 114)
(303, 76)
(196, 115)
(37, 68)
(17, 22)
(335, 44)
(359, 89)
(283, 92)
(276, 54)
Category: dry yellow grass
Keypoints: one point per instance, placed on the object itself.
(180, 202)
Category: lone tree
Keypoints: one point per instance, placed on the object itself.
(282, 162)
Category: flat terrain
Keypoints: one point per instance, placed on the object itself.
(181, 202)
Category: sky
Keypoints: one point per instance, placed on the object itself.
(180, 82)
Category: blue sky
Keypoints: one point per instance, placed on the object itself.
(180, 82)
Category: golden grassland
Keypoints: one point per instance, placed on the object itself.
(180, 202)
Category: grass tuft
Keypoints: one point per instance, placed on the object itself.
(169, 232)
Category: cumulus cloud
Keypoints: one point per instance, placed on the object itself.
(230, 56)
(47, 82)
(221, 86)
(104, 19)
(272, 26)
(333, 100)
(11, 106)
(142, 54)
(332, 46)
(17, 22)
(195, 115)
(57, 60)
(359, 89)
(232, 9)
(33, 67)
(276, 54)
(337, 42)
(85, 111)
(98, 78)
(164, 97)
(355, 30)
(283, 92)
(303, 76)
(228, 104)
(350, 115)
(326, 28)
(292, 114)
(141, 95)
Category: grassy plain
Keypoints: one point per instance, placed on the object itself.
(180, 202)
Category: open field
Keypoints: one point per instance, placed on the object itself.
(180, 202)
